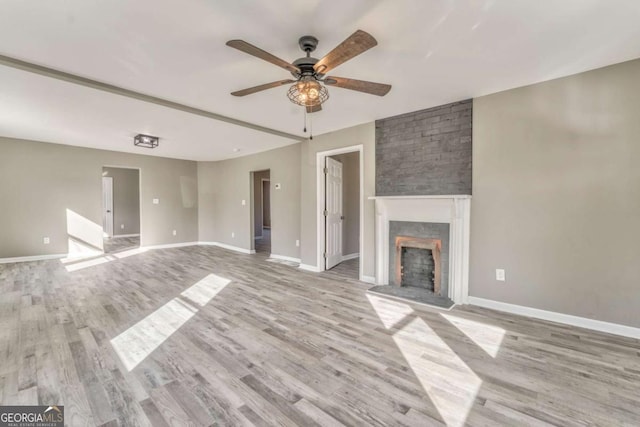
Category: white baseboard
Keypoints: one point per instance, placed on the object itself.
(119, 236)
(285, 258)
(229, 247)
(307, 267)
(582, 322)
(170, 245)
(164, 246)
(350, 256)
(31, 258)
(368, 279)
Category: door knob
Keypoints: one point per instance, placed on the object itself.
(341, 216)
(108, 211)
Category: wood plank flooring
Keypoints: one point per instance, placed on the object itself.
(278, 346)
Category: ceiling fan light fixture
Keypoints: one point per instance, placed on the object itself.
(308, 92)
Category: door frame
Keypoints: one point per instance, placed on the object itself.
(140, 204)
(252, 206)
(320, 200)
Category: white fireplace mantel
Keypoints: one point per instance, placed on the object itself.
(454, 210)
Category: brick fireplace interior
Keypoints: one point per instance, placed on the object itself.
(418, 263)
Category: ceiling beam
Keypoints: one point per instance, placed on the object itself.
(105, 87)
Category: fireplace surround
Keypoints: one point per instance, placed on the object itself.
(453, 210)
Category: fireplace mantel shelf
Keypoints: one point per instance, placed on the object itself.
(444, 196)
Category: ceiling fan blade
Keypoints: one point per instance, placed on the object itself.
(372, 88)
(314, 109)
(259, 53)
(265, 86)
(354, 45)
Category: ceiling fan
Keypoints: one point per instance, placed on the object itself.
(310, 80)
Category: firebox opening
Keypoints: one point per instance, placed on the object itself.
(418, 263)
(418, 268)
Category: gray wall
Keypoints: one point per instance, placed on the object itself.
(556, 195)
(126, 200)
(361, 134)
(425, 152)
(223, 185)
(350, 202)
(40, 181)
(258, 208)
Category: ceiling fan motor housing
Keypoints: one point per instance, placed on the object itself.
(305, 65)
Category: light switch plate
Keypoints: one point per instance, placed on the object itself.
(156, 201)
(244, 202)
(500, 275)
(46, 241)
(175, 232)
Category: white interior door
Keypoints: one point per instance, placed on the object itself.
(107, 206)
(333, 213)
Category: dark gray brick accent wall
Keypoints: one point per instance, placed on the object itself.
(426, 152)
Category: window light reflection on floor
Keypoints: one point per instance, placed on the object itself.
(448, 381)
(140, 340)
(487, 337)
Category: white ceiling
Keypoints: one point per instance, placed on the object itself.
(432, 52)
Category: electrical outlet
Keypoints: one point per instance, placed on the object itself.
(500, 276)
(156, 201)
(233, 234)
(297, 242)
(122, 226)
(244, 202)
(175, 232)
(46, 241)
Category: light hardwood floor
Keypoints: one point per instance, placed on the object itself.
(278, 346)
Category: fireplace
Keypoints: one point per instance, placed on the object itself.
(418, 263)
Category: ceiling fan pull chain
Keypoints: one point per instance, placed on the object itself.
(311, 127)
(305, 120)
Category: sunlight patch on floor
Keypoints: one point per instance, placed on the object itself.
(207, 288)
(389, 311)
(448, 381)
(140, 340)
(88, 259)
(487, 337)
(130, 252)
(88, 263)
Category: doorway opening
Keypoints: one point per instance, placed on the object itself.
(120, 208)
(340, 223)
(261, 211)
